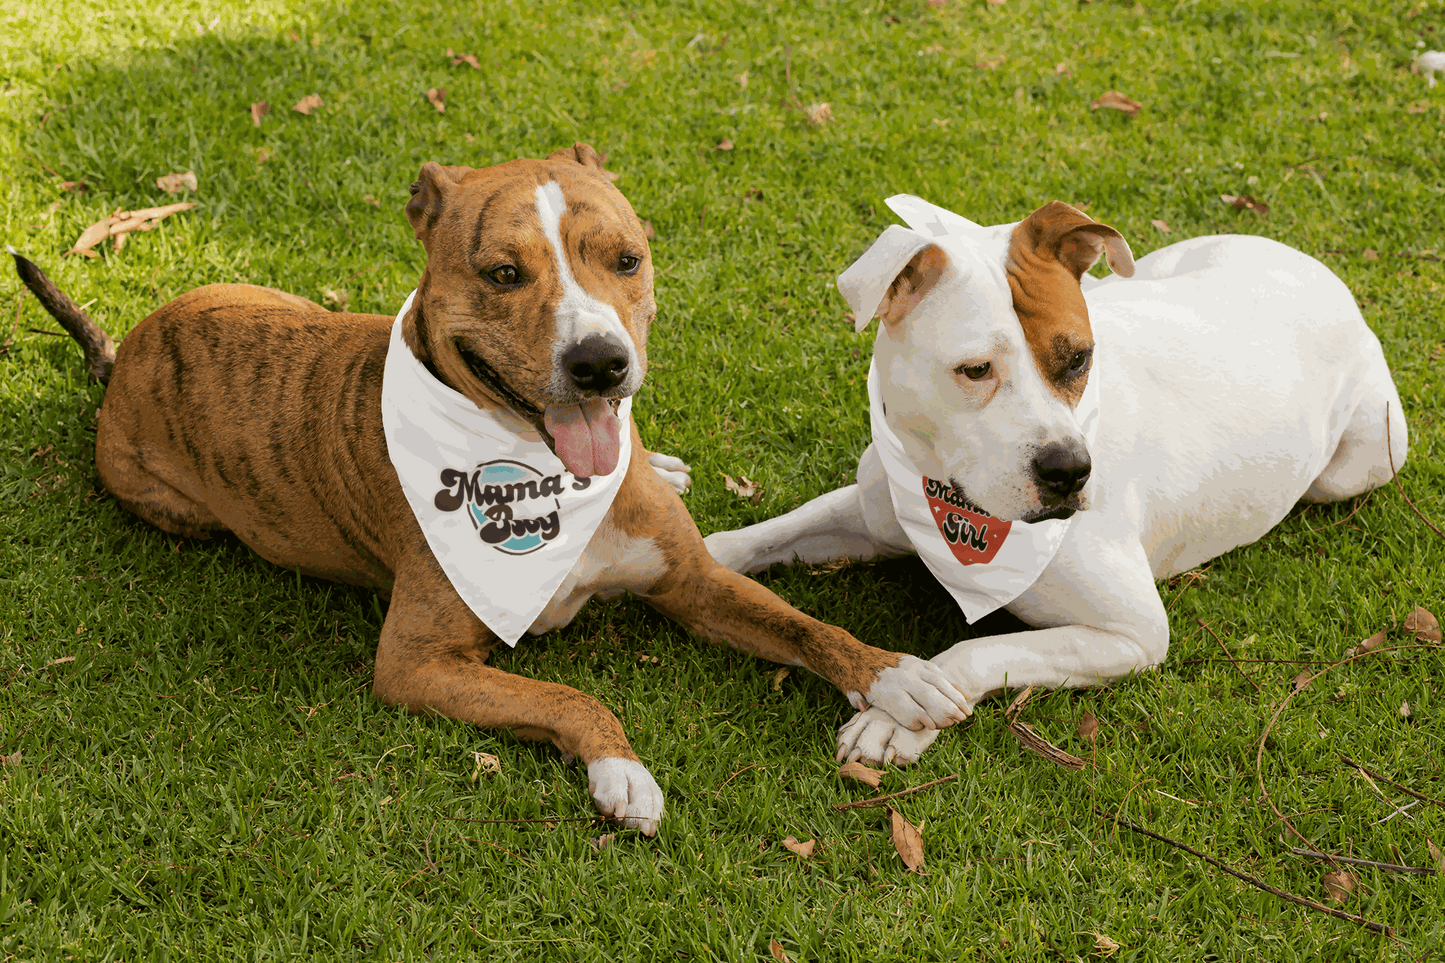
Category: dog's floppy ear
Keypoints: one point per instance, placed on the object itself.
(428, 196)
(584, 154)
(892, 276)
(1077, 240)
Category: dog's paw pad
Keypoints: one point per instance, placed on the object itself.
(875, 738)
(625, 790)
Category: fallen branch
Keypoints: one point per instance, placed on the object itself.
(1228, 653)
(544, 819)
(1387, 867)
(1389, 453)
(880, 800)
(1370, 772)
(1255, 881)
(1034, 742)
(1299, 687)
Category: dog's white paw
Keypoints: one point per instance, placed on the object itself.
(875, 738)
(674, 471)
(625, 790)
(917, 694)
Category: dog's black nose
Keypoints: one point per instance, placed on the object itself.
(1062, 470)
(596, 363)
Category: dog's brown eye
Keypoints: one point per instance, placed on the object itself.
(974, 372)
(628, 264)
(506, 275)
(1079, 361)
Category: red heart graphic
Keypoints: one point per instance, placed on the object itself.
(974, 537)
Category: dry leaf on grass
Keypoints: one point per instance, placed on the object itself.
(1435, 853)
(464, 59)
(335, 297)
(1088, 727)
(11, 760)
(1370, 255)
(1340, 884)
(1302, 680)
(122, 222)
(819, 114)
(435, 96)
(724, 145)
(175, 183)
(778, 678)
(1162, 226)
(804, 850)
(1423, 625)
(600, 843)
(776, 948)
(1245, 202)
(76, 187)
(258, 110)
(368, 198)
(1365, 646)
(263, 154)
(486, 762)
(1104, 945)
(860, 772)
(907, 840)
(1405, 709)
(1117, 101)
(309, 103)
(60, 661)
(744, 488)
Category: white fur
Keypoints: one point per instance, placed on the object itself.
(625, 790)
(612, 563)
(1237, 377)
(917, 694)
(578, 313)
(672, 470)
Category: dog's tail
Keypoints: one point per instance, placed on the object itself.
(99, 348)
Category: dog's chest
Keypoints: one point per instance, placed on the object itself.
(611, 564)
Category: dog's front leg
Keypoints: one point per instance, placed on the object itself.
(432, 657)
(854, 522)
(727, 607)
(1103, 619)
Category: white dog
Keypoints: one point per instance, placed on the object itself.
(1053, 444)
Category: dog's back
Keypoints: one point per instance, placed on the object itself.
(1250, 381)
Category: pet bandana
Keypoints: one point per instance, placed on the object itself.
(501, 513)
(984, 562)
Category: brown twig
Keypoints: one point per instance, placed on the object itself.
(1031, 740)
(879, 800)
(545, 819)
(1390, 453)
(1284, 703)
(1381, 928)
(494, 846)
(1232, 659)
(734, 776)
(1370, 772)
(1359, 504)
(1387, 867)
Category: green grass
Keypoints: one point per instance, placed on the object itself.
(209, 778)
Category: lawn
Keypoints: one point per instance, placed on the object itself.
(194, 767)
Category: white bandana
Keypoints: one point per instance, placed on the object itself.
(502, 515)
(984, 563)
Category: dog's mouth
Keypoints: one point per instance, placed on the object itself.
(586, 435)
(1061, 511)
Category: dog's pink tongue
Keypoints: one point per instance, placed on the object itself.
(587, 436)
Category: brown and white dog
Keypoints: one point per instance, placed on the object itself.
(246, 409)
(1231, 377)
